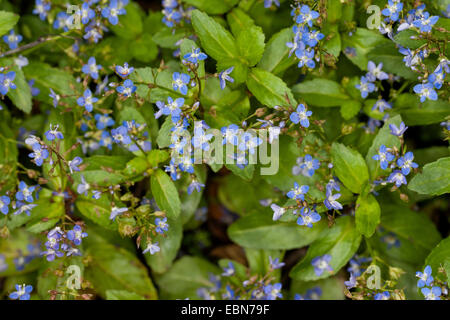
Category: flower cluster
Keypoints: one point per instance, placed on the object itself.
(60, 242)
(431, 288)
(175, 14)
(367, 83)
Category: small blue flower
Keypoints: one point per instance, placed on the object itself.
(195, 56)
(382, 296)
(83, 187)
(301, 115)
(73, 164)
(171, 17)
(180, 81)
(6, 82)
(115, 211)
(432, 294)
(312, 38)
(55, 97)
(186, 164)
(4, 204)
(86, 13)
(249, 142)
(425, 278)
(351, 283)
(39, 154)
(437, 77)
(201, 139)
(228, 271)
(195, 185)
(42, 8)
(426, 91)
(87, 100)
(308, 217)
(230, 134)
(106, 140)
(22, 292)
(310, 165)
(405, 163)
(375, 72)
(393, 9)
(275, 263)
(269, 3)
(127, 89)
(91, 68)
(124, 71)
(425, 23)
(277, 211)
(298, 192)
(76, 235)
(22, 207)
(152, 248)
(34, 91)
(398, 178)
(384, 156)
(273, 291)
(53, 133)
(61, 21)
(25, 193)
(306, 58)
(321, 263)
(12, 39)
(398, 131)
(381, 105)
(365, 87)
(120, 135)
(161, 225)
(307, 15)
(224, 76)
(330, 201)
(112, 12)
(103, 121)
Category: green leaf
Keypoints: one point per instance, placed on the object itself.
(213, 6)
(349, 167)
(269, 89)
(21, 96)
(250, 43)
(122, 295)
(8, 156)
(239, 21)
(367, 214)
(440, 258)
(130, 25)
(340, 242)
(385, 137)
(259, 231)
(215, 39)
(7, 21)
(350, 108)
(332, 288)
(333, 45)
(434, 179)
(179, 284)
(276, 55)
(320, 93)
(164, 134)
(404, 39)
(114, 268)
(96, 210)
(144, 48)
(165, 193)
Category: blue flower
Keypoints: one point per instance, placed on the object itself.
(275, 263)
(298, 192)
(432, 294)
(39, 154)
(120, 135)
(152, 248)
(228, 271)
(365, 87)
(393, 9)
(83, 187)
(230, 134)
(229, 293)
(53, 133)
(384, 156)
(310, 164)
(171, 17)
(86, 13)
(172, 170)
(42, 8)
(425, 23)
(25, 193)
(201, 139)
(55, 97)
(321, 263)
(180, 81)
(249, 142)
(224, 76)
(269, 3)
(273, 291)
(307, 15)
(22, 207)
(308, 217)
(437, 77)
(351, 283)
(375, 72)
(312, 38)
(405, 163)
(91, 68)
(127, 88)
(115, 211)
(103, 121)
(6, 82)
(195, 56)
(112, 12)
(330, 201)
(22, 292)
(34, 91)
(173, 108)
(398, 131)
(124, 71)
(12, 39)
(161, 225)
(425, 278)
(87, 100)
(106, 140)
(76, 235)
(426, 91)
(277, 211)
(301, 115)
(61, 21)
(73, 164)
(382, 296)
(186, 164)
(398, 178)
(4, 204)
(195, 185)
(306, 58)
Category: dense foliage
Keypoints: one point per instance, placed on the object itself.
(113, 113)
